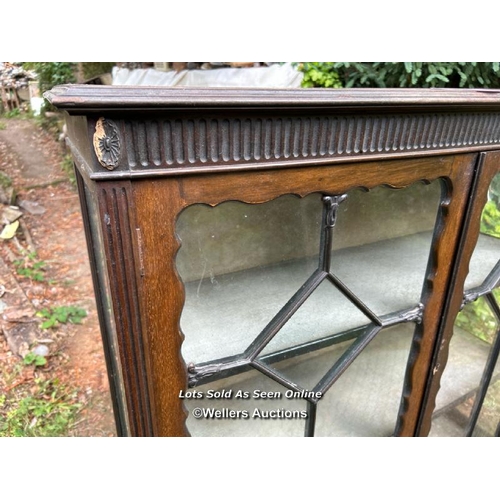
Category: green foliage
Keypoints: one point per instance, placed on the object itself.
(490, 221)
(48, 409)
(34, 359)
(13, 113)
(402, 74)
(51, 74)
(24, 113)
(478, 319)
(319, 74)
(30, 267)
(494, 192)
(68, 169)
(5, 180)
(420, 74)
(61, 314)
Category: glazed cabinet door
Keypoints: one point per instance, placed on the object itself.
(301, 301)
(462, 397)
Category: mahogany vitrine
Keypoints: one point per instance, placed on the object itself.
(299, 253)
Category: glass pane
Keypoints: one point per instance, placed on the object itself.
(325, 318)
(487, 251)
(489, 418)
(366, 398)
(248, 404)
(469, 348)
(240, 264)
(258, 290)
(382, 243)
(475, 330)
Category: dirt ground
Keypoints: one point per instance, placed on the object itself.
(32, 158)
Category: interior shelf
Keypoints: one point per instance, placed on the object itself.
(223, 314)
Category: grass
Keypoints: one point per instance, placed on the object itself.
(33, 401)
(24, 113)
(44, 408)
(14, 113)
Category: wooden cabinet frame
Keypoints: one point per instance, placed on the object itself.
(144, 154)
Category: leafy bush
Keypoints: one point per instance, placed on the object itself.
(490, 222)
(319, 74)
(402, 74)
(51, 74)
